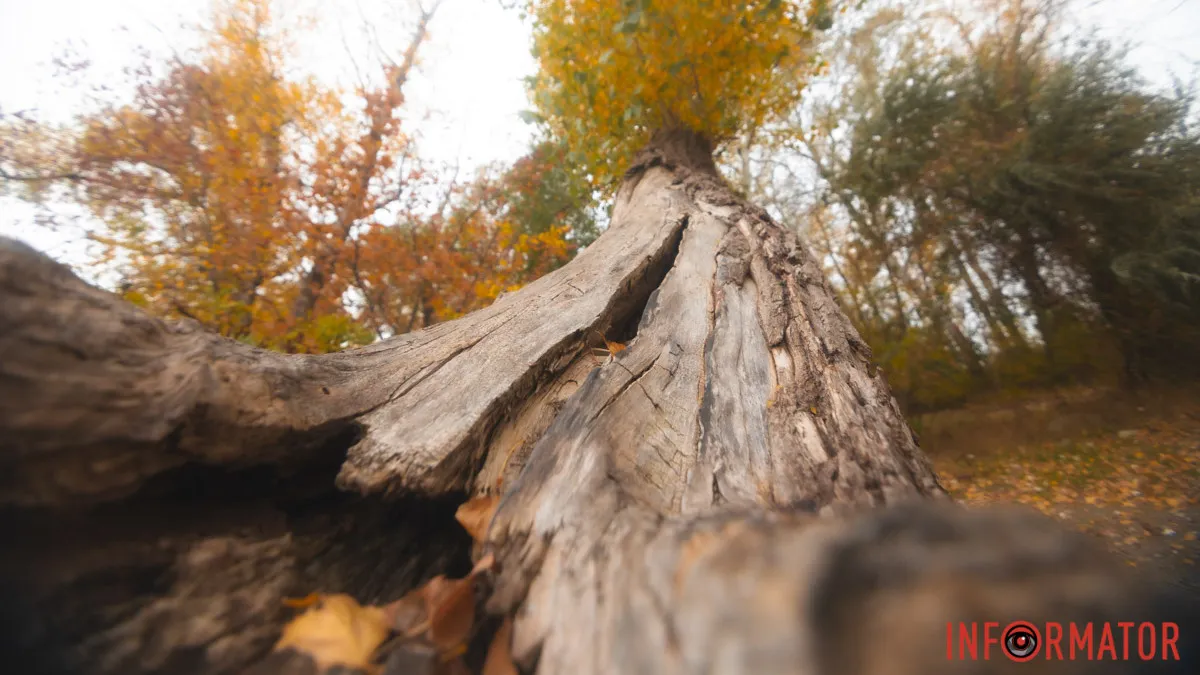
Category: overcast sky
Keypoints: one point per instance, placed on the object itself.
(471, 81)
(466, 97)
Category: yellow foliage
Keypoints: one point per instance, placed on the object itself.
(613, 71)
(190, 178)
(232, 190)
(337, 631)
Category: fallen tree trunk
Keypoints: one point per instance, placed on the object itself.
(691, 505)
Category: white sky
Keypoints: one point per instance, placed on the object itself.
(472, 72)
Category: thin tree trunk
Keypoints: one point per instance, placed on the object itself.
(997, 300)
(999, 334)
(382, 114)
(1002, 333)
(690, 506)
(1116, 309)
(852, 287)
(1041, 299)
(937, 308)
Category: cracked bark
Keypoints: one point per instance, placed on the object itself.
(734, 492)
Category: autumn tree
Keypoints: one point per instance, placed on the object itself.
(729, 489)
(491, 235)
(263, 205)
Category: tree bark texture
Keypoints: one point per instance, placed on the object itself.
(736, 491)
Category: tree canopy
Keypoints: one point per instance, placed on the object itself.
(613, 72)
(1057, 164)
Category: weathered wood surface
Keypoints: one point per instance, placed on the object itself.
(96, 396)
(689, 506)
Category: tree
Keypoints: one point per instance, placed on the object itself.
(1065, 169)
(1001, 156)
(264, 205)
(691, 504)
(614, 72)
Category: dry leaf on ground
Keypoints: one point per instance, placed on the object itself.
(450, 605)
(408, 615)
(336, 631)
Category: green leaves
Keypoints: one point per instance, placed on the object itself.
(1052, 173)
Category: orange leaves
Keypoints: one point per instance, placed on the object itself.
(475, 515)
(496, 234)
(1132, 489)
(281, 212)
(450, 605)
(432, 623)
(610, 348)
(337, 631)
(234, 193)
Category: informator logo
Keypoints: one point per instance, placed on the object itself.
(1024, 641)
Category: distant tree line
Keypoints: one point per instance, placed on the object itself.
(1000, 205)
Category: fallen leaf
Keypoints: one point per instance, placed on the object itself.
(499, 656)
(408, 615)
(337, 631)
(612, 347)
(450, 604)
(442, 608)
(475, 515)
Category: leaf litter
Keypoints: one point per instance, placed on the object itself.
(1138, 489)
(334, 630)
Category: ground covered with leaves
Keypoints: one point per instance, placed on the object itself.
(1132, 479)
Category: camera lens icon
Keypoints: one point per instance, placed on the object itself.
(1021, 641)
